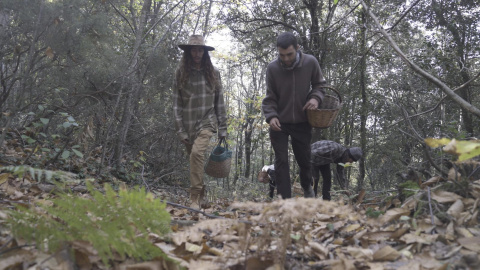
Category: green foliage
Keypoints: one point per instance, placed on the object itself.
(110, 222)
(39, 174)
(370, 212)
(408, 188)
(43, 141)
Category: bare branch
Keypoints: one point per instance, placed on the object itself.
(447, 90)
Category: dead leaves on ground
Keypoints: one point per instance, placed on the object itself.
(336, 236)
(297, 233)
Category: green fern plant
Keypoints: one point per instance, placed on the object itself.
(40, 174)
(111, 222)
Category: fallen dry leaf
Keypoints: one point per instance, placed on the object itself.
(320, 250)
(432, 181)
(360, 253)
(387, 253)
(393, 214)
(422, 238)
(471, 243)
(456, 208)
(15, 259)
(443, 196)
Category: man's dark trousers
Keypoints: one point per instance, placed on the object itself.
(300, 135)
(327, 180)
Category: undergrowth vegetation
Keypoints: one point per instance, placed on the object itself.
(112, 222)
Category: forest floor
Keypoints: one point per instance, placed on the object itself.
(436, 227)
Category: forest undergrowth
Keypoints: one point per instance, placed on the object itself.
(52, 219)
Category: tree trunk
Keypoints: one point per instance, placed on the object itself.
(136, 80)
(364, 108)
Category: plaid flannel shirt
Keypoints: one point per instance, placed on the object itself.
(326, 152)
(198, 106)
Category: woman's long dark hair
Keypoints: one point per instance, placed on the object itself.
(185, 67)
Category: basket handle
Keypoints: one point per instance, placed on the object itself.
(222, 140)
(334, 90)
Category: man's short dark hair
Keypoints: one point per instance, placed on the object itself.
(285, 39)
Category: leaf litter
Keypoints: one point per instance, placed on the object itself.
(297, 233)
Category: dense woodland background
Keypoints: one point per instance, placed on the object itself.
(89, 81)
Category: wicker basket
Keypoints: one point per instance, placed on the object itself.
(324, 116)
(263, 177)
(219, 161)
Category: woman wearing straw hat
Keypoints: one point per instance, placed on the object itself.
(199, 109)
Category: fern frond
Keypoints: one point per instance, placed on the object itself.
(111, 222)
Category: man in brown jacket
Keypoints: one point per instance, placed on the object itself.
(294, 82)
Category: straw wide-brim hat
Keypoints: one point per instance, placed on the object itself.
(195, 40)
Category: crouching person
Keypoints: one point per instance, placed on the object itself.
(326, 152)
(267, 174)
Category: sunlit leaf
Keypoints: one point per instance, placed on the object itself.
(66, 124)
(467, 149)
(295, 236)
(436, 142)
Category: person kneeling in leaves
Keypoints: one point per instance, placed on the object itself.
(326, 152)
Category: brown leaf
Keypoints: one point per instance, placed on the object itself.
(422, 238)
(399, 232)
(360, 253)
(387, 253)
(394, 213)
(450, 232)
(342, 264)
(475, 189)
(320, 250)
(442, 196)
(360, 196)
(15, 259)
(454, 175)
(471, 243)
(456, 208)
(375, 237)
(4, 177)
(432, 181)
(49, 52)
(352, 227)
